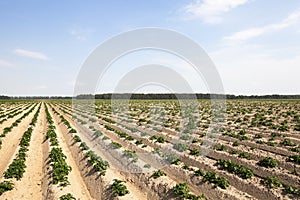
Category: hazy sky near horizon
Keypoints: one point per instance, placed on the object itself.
(254, 44)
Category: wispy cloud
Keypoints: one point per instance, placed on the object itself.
(41, 87)
(210, 11)
(247, 34)
(292, 19)
(31, 54)
(5, 63)
(80, 33)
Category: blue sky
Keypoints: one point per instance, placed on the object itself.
(255, 44)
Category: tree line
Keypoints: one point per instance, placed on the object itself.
(153, 96)
(183, 96)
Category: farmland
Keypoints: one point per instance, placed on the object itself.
(150, 150)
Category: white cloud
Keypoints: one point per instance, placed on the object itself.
(246, 34)
(41, 87)
(31, 54)
(5, 63)
(80, 33)
(290, 20)
(210, 11)
(256, 70)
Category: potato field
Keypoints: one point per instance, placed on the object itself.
(51, 149)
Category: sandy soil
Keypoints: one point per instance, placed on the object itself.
(34, 162)
(111, 174)
(77, 187)
(10, 143)
(9, 121)
(258, 154)
(255, 182)
(135, 193)
(246, 196)
(167, 180)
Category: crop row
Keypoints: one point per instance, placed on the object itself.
(17, 168)
(100, 165)
(11, 113)
(182, 147)
(244, 172)
(210, 177)
(117, 187)
(60, 169)
(96, 161)
(15, 124)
